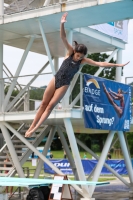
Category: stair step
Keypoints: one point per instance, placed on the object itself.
(3, 174)
(6, 168)
(20, 146)
(17, 151)
(4, 157)
(2, 162)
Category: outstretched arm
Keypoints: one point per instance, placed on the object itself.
(113, 92)
(101, 64)
(63, 35)
(113, 96)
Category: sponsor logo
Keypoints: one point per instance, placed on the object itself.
(62, 164)
(92, 88)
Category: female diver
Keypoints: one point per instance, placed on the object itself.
(59, 84)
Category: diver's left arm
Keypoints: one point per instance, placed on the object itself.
(101, 64)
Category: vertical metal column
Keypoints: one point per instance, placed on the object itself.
(12, 151)
(1, 61)
(18, 71)
(45, 150)
(76, 154)
(1, 77)
(68, 153)
(126, 155)
(46, 46)
(1, 8)
(101, 160)
(66, 96)
(81, 90)
(26, 101)
(119, 69)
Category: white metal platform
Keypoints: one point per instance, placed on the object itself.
(26, 29)
(55, 118)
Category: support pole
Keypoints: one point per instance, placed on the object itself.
(107, 60)
(126, 155)
(26, 101)
(106, 165)
(45, 150)
(25, 88)
(1, 77)
(76, 154)
(81, 91)
(68, 153)
(1, 8)
(46, 47)
(101, 160)
(119, 69)
(18, 71)
(33, 149)
(12, 151)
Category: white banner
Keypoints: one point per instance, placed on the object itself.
(118, 29)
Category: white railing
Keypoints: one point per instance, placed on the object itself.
(21, 5)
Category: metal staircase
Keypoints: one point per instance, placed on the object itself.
(22, 151)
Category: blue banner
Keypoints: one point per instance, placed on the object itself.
(107, 104)
(88, 165)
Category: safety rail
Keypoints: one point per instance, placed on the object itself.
(16, 6)
(25, 103)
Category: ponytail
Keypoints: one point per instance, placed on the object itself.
(80, 48)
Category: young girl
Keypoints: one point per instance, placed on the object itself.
(61, 81)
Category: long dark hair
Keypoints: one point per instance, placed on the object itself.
(80, 48)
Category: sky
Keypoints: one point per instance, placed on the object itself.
(35, 61)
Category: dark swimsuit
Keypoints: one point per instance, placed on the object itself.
(66, 72)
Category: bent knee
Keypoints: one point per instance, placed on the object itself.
(43, 104)
(50, 107)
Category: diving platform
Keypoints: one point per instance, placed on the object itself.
(34, 26)
(16, 28)
(55, 119)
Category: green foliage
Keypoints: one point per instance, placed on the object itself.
(130, 142)
(37, 94)
(95, 148)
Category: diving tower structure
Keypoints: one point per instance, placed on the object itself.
(33, 26)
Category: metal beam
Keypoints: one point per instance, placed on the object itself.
(45, 150)
(76, 155)
(106, 165)
(107, 60)
(12, 151)
(119, 69)
(25, 88)
(102, 37)
(30, 146)
(1, 8)
(75, 101)
(46, 47)
(18, 71)
(126, 155)
(1, 78)
(102, 160)
(68, 153)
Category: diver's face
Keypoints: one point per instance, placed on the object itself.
(78, 56)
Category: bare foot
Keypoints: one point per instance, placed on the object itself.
(29, 133)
